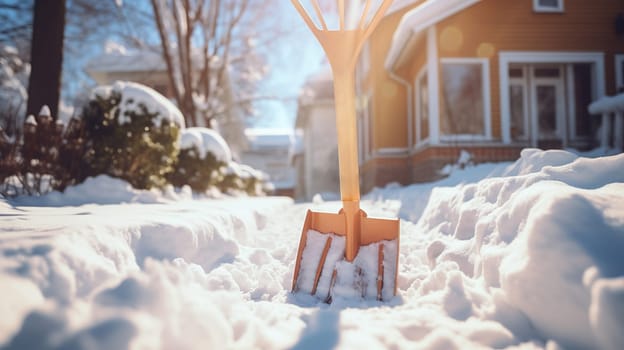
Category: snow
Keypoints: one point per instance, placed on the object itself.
(607, 104)
(206, 141)
(522, 255)
(45, 111)
(30, 120)
(135, 95)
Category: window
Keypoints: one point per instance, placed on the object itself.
(548, 5)
(422, 98)
(465, 100)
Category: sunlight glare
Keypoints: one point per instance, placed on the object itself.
(451, 39)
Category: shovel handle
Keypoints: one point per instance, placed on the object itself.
(346, 130)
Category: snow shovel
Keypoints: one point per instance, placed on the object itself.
(348, 253)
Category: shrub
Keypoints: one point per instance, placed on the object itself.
(203, 153)
(46, 157)
(132, 133)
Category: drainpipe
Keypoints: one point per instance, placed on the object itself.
(408, 88)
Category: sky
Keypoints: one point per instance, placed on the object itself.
(296, 58)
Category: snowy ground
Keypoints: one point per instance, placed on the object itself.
(525, 255)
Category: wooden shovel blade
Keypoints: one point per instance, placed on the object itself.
(372, 230)
(323, 223)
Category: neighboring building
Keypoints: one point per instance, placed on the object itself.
(490, 77)
(269, 151)
(148, 68)
(317, 163)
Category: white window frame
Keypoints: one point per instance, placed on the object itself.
(505, 58)
(487, 115)
(561, 119)
(619, 71)
(540, 8)
(418, 142)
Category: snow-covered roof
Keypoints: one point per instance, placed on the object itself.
(206, 140)
(134, 94)
(260, 138)
(421, 17)
(126, 61)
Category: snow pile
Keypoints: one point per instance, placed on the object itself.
(135, 96)
(521, 256)
(104, 189)
(206, 140)
(548, 240)
(155, 279)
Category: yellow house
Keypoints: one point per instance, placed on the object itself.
(487, 76)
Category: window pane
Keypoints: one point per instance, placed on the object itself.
(550, 72)
(515, 72)
(462, 99)
(549, 3)
(516, 99)
(547, 110)
(582, 98)
(423, 97)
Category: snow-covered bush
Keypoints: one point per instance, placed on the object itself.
(240, 177)
(205, 161)
(203, 153)
(132, 133)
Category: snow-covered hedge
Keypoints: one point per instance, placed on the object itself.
(132, 133)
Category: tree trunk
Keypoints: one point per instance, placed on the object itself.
(44, 86)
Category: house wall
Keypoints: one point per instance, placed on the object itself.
(491, 26)
(389, 105)
(389, 97)
(482, 31)
(320, 157)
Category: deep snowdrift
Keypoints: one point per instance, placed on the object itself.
(523, 255)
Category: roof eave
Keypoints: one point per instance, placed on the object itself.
(417, 20)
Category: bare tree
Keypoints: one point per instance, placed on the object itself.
(44, 87)
(202, 42)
